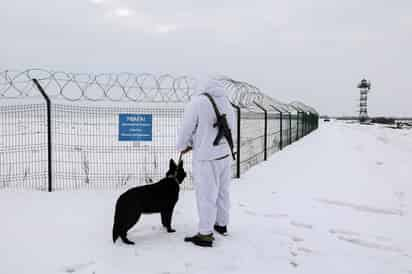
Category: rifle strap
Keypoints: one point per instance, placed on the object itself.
(213, 104)
(217, 119)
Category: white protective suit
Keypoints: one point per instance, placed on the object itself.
(211, 175)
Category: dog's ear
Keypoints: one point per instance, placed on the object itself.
(180, 164)
(172, 165)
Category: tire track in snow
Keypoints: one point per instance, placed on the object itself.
(369, 244)
(363, 208)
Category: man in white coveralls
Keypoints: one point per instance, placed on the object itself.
(211, 162)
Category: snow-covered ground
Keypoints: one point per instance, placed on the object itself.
(337, 201)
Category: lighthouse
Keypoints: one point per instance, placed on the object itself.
(364, 87)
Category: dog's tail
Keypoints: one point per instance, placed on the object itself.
(115, 233)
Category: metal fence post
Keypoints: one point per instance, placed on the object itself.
(265, 140)
(281, 132)
(304, 124)
(312, 122)
(238, 141)
(297, 121)
(49, 136)
(281, 126)
(290, 127)
(307, 121)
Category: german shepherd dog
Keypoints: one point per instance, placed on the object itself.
(160, 197)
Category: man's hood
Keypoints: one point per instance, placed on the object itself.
(212, 86)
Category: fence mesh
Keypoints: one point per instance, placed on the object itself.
(274, 133)
(86, 152)
(23, 146)
(251, 139)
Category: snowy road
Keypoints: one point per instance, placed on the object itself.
(337, 201)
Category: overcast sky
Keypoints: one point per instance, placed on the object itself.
(312, 51)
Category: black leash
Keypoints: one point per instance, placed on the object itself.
(180, 158)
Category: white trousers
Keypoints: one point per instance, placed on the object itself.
(211, 181)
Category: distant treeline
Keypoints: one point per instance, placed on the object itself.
(377, 118)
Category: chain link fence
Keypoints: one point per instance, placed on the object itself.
(63, 131)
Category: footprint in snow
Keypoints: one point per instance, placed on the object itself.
(383, 239)
(275, 216)
(343, 232)
(383, 139)
(249, 212)
(305, 250)
(77, 267)
(302, 225)
(297, 239)
(294, 264)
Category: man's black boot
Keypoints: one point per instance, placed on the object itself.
(221, 229)
(201, 240)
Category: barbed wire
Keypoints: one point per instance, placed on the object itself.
(303, 107)
(241, 93)
(142, 88)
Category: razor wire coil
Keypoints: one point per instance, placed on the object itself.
(126, 86)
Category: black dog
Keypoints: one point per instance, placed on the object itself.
(160, 197)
